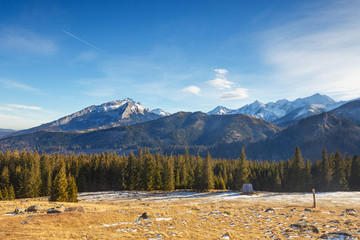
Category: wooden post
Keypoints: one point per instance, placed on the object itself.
(313, 191)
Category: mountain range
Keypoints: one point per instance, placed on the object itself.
(284, 112)
(268, 131)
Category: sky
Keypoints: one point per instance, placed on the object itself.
(58, 57)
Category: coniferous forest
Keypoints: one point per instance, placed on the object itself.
(26, 174)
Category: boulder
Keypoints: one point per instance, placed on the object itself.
(347, 233)
(75, 209)
(269, 210)
(304, 226)
(34, 208)
(56, 210)
(19, 210)
(146, 216)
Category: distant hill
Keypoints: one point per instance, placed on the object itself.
(311, 134)
(350, 110)
(164, 135)
(6, 132)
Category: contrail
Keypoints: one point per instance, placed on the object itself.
(83, 41)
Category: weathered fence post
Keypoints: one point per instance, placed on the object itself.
(313, 191)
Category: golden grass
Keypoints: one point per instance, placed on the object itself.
(178, 219)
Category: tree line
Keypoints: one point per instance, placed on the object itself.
(26, 174)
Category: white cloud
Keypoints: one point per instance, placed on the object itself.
(192, 89)
(24, 107)
(25, 41)
(239, 93)
(221, 81)
(20, 86)
(318, 52)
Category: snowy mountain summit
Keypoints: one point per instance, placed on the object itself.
(110, 114)
(219, 110)
(284, 112)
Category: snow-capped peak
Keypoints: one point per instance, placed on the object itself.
(219, 110)
(160, 112)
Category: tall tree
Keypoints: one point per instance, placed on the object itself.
(59, 189)
(242, 175)
(207, 174)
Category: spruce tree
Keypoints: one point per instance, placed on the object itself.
(207, 174)
(339, 181)
(72, 190)
(59, 188)
(243, 170)
(326, 172)
(168, 174)
(11, 193)
(354, 182)
(297, 173)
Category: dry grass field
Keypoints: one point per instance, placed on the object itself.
(187, 215)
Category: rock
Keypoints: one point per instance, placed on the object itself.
(344, 233)
(350, 211)
(75, 209)
(307, 210)
(19, 210)
(55, 210)
(226, 236)
(269, 210)
(324, 236)
(303, 226)
(34, 208)
(146, 216)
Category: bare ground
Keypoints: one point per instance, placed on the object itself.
(186, 215)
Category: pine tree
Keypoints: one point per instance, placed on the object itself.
(59, 189)
(326, 172)
(207, 174)
(72, 190)
(132, 174)
(339, 181)
(11, 193)
(297, 176)
(243, 171)
(168, 174)
(354, 183)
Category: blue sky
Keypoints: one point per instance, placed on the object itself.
(57, 57)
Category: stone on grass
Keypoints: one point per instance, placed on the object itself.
(75, 209)
(269, 210)
(34, 208)
(303, 226)
(19, 210)
(55, 210)
(146, 216)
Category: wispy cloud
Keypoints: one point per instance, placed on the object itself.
(26, 41)
(221, 81)
(318, 52)
(24, 107)
(239, 93)
(16, 85)
(81, 40)
(192, 89)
